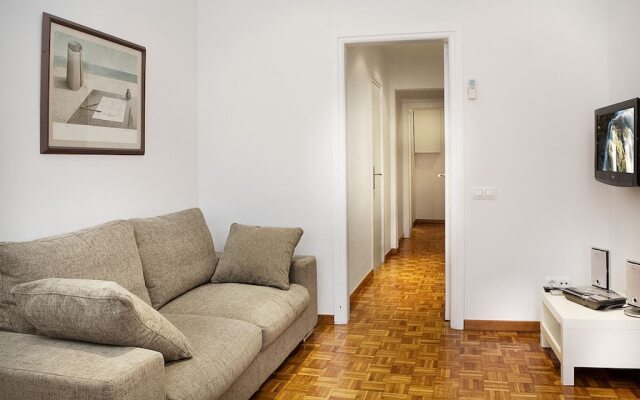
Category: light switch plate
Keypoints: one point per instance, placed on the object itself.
(490, 193)
(484, 192)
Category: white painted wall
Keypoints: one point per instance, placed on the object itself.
(270, 164)
(529, 133)
(363, 62)
(50, 194)
(624, 83)
(416, 66)
(541, 69)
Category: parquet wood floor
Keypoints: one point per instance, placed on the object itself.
(397, 346)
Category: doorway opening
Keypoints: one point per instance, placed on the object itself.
(398, 109)
(421, 159)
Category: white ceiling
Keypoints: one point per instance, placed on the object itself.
(420, 94)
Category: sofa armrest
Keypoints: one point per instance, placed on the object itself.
(304, 272)
(38, 367)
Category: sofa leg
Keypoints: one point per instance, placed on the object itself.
(304, 339)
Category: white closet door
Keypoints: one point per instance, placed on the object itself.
(428, 130)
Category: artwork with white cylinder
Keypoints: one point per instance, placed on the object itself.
(428, 130)
(92, 98)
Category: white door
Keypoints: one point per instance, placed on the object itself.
(428, 130)
(376, 177)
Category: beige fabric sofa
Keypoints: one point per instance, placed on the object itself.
(240, 333)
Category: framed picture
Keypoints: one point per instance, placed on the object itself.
(92, 91)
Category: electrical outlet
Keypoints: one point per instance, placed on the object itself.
(557, 281)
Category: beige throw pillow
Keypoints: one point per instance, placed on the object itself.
(257, 255)
(177, 253)
(98, 312)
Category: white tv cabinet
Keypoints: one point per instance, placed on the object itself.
(581, 337)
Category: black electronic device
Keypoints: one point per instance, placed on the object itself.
(594, 297)
(616, 143)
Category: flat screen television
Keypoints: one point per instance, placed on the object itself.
(616, 129)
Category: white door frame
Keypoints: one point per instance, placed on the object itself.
(447, 190)
(375, 81)
(410, 165)
(454, 169)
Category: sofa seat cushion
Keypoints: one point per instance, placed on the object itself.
(222, 350)
(271, 309)
(106, 252)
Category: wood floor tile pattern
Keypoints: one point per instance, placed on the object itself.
(397, 346)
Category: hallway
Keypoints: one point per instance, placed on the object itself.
(398, 346)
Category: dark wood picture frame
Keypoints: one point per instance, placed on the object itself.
(45, 86)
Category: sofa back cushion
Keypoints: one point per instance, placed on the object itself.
(105, 252)
(177, 253)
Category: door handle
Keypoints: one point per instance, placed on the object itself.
(374, 177)
(442, 175)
